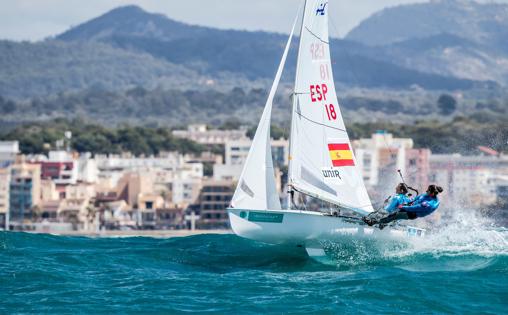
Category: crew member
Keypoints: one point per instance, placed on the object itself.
(421, 206)
(400, 198)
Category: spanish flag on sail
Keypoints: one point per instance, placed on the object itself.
(341, 154)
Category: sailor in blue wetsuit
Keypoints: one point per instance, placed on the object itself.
(421, 206)
(400, 198)
(392, 205)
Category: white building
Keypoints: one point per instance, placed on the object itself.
(87, 169)
(8, 151)
(185, 191)
(235, 155)
(164, 168)
(468, 181)
(59, 166)
(113, 162)
(236, 151)
(381, 150)
(200, 134)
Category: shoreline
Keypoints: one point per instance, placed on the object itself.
(138, 233)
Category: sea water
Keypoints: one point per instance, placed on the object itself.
(461, 270)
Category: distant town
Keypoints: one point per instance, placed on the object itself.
(64, 192)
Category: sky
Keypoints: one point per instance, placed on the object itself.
(35, 20)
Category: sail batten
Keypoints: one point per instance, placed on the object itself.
(317, 168)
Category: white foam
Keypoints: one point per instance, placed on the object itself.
(465, 234)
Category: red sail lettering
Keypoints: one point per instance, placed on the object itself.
(313, 99)
(318, 92)
(324, 88)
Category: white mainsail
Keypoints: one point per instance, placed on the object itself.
(322, 163)
(256, 188)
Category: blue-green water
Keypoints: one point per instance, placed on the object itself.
(226, 274)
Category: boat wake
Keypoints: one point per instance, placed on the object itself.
(464, 243)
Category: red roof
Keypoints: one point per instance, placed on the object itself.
(488, 150)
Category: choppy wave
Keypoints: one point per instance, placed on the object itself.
(461, 268)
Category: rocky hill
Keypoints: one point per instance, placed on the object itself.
(132, 66)
(129, 47)
(459, 38)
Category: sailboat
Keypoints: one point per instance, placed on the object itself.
(322, 165)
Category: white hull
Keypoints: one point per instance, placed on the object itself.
(306, 228)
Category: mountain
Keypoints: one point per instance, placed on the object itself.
(485, 23)
(133, 21)
(458, 38)
(129, 47)
(50, 67)
(253, 54)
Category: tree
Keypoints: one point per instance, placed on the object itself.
(447, 104)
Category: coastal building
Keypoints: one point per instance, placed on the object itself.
(5, 179)
(149, 202)
(161, 170)
(132, 185)
(382, 153)
(48, 210)
(60, 167)
(235, 153)
(185, 191)
(117, 215)
(200, 134)
(213, 200)
(49, 191)
(469, 181)
(129, 162)
(147, 207)
(169, 218)
(74, 211)
(206, 157)
(24, 194)
(8, 152)
(381, 156)
(88, 170)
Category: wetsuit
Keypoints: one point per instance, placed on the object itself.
(421, 206)
(396, 201)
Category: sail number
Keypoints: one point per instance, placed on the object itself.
(330, 112)
(324, 72)
(318, 93)
(317, 51)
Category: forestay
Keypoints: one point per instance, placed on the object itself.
(322, 163)
(256, 188)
